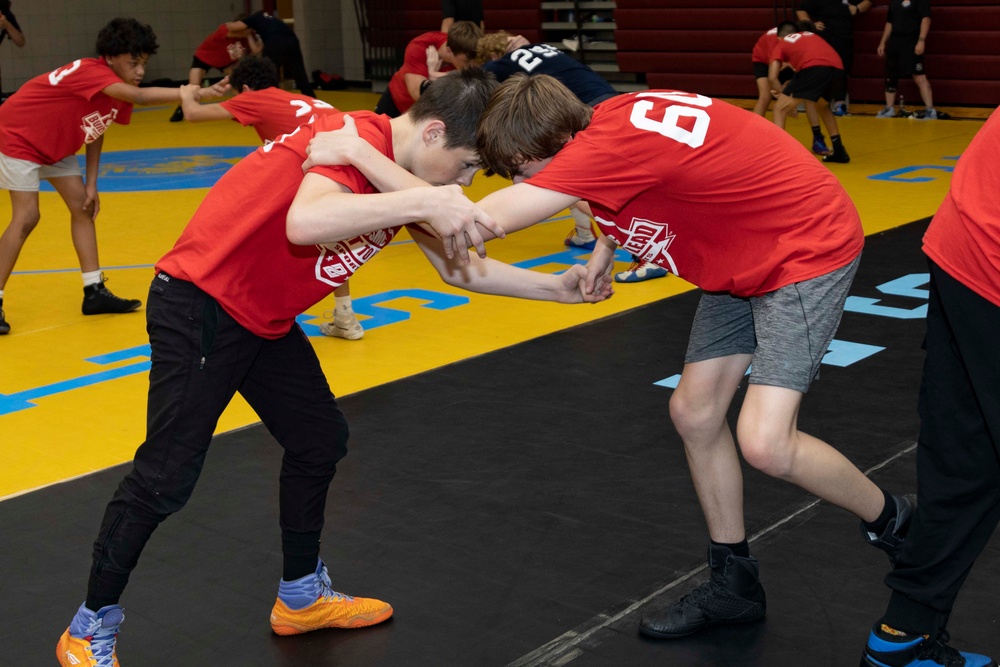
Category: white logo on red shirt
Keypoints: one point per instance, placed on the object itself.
(647, 240)
(338, 263)
(94, 124)
(235, 50)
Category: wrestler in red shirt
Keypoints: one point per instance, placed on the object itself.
(273, 112)
(47, 121)
(733, 204)
(818, 69)
(427, 57)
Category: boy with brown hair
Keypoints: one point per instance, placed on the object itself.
(774, 267)
(428, 57)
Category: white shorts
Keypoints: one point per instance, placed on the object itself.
(26, 176)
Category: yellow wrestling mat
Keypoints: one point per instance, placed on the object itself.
(73, 388)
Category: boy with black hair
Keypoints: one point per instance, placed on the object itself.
(221, 320)
(817, 70)
(428, 57)
(272, 111)
(47, 121)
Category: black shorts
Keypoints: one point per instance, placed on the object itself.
(900, 60)
(760, 71)
(813, 83)
(198, 63)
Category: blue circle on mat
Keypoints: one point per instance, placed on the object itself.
(163, 168)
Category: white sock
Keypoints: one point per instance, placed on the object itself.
(343, 306)
(91, 277)
(582, 222)
(1, 295)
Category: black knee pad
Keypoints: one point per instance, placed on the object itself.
(890, 84)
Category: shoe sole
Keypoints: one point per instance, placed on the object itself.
(349, 623)
(678, 635)
(335, 332)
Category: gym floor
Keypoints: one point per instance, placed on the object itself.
(514, 487)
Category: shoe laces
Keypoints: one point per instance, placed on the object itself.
(326, 592)
(102, 642)
(939, 651)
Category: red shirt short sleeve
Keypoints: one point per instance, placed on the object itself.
(221, 51)
(806, 49)
(273, 111)
(415, 62)
(764, 46)
(713, 193)
(53, 115)
(964, 236)
(235, 247)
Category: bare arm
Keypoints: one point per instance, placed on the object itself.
(522, 205)
(925, 28)
(324, 211)
(16, 35)
(195, 111)
(885, 38)
(156, 95)
(413, 82)
(489, 276)
(93, 200)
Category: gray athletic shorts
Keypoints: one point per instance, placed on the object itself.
(787, 331)
(26, 176)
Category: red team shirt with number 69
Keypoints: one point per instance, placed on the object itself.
(711, 192)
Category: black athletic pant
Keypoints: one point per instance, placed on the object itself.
(958, 460)
(200, 358)
(286, 53)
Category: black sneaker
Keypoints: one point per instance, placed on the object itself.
(178, 115)
(891, 539)
(4, 327)
(838, 155)
(98, 300)
(886, 649)
(732, 594)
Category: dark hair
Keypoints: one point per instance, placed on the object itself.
(787, 28)
(458, 99)
(805, 26)
(129, 36)
(254, 72)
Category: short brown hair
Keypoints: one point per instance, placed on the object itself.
(492, 46)
(463, 37)
(528, 118)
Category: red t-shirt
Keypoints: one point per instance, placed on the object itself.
(764, 46)
(53, 115)
(806, 49)
(273, 111)
(964, 236)
(221, 51)
(415, 62)
(235, 247)
(713, 193)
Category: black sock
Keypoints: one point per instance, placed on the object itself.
(835, 140)
(740, 549)
(301, 554)
(817, 133)
(879, 525)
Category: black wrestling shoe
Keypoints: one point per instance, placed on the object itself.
(178, 115)
(98, 300)
(732, 594)
(891, 539)
(838, 155)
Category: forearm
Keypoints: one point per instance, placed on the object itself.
(383, 173)
(15, 35)
(324, 217)
(522, 205)
(93, 152)
(925, 28)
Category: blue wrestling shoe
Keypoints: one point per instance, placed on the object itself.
(890, 648)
